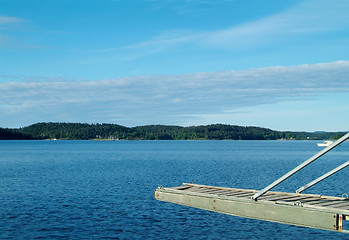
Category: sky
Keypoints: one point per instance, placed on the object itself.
(282, 65)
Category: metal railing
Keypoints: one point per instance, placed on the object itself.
(304, 164)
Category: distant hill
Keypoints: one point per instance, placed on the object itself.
(84, 131)
(9, 134)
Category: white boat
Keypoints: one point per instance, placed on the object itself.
(325, 144)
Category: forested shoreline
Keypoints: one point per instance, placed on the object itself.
(104, 131)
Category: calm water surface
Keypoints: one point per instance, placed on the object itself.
(104, 189)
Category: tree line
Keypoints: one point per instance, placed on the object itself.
(85, 131)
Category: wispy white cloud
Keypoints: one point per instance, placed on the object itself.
(156, 99)
(4, 20)
(307, 18)
(11, 27)
(187, 6)
(157, 44)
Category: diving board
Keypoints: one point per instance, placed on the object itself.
(307, 210)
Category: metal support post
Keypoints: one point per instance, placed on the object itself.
(301, 166)
(301, 189)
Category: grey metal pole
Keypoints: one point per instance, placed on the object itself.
(301, 166)
(301, 189)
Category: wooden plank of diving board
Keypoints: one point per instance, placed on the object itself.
(213, 191)
(285, 198)
(202, 190)
(324, 202)
(295, 199)
(314, 200)
(332, 203)
(346, 208)
(269, 197)
(222, 192)
(207, 190)
(214, 187)
(240, 194)
(343, 206)
(195, 189)
(275, 198)
(287, 213)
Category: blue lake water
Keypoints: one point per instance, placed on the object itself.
(104, 189)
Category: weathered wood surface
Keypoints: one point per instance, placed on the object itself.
(315, 211)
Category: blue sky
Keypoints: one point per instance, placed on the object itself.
(277, 64)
